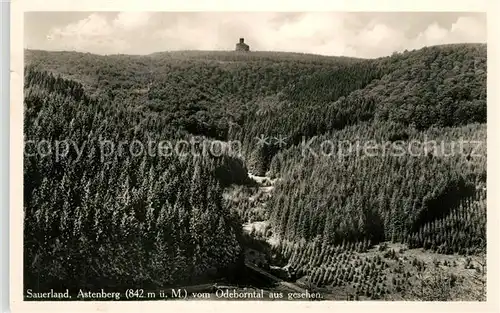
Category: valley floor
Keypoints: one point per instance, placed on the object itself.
(387, 271)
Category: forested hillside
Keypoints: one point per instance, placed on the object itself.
(162, 220)
(95, 219)
(354, 196)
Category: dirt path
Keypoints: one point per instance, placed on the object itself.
(275, 279)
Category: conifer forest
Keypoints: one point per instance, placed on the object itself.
(194, 167)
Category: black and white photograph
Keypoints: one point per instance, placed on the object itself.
(254, 156)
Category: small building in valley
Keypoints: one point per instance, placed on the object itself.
(242, 46)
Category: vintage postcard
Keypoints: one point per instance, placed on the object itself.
(205, 157)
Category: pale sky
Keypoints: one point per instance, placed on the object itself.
(365, 35)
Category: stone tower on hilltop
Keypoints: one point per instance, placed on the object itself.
(242, 46)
